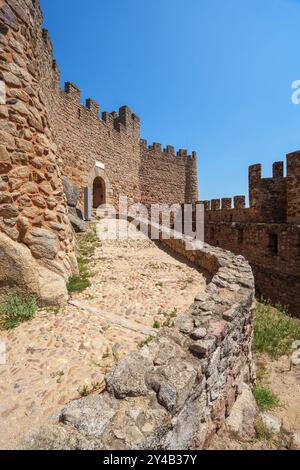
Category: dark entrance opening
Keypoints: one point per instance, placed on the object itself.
(98, 192)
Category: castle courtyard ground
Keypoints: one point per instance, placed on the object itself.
(135, 285)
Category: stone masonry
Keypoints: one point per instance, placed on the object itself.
(36, 240)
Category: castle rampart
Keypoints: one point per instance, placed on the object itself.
(83, 138)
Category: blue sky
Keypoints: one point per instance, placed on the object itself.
(207, 75)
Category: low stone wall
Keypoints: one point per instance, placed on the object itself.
(176, 391)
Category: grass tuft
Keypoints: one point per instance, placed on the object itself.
(16, 310)
(146, 341)
(78, 284)
(87, 390)
(274, 331)
(84, 391)
(261, 430)
(87, 244)
(169, 317)
(265, 399)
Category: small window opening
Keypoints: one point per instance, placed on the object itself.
(273, 244)
(240, 236)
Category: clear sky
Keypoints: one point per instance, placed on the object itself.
(207, 75)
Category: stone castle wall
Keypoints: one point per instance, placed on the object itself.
(177, 391)
(143, 174)
(34, 222)
(83, 139)
(167, 177)
(127, 165)
(267, 233)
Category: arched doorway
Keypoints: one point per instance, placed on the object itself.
(99, 196)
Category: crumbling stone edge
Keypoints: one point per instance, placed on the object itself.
(176, 391)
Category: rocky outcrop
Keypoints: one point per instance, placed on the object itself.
(20, 271)
(72, 192)
(243, 417)
(177, 391)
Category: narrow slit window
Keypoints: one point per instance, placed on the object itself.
(240, 236)
(273, 244)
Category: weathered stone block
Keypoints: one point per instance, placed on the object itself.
(7, 211)
(203, 347)
(43, 243)
(128, 379)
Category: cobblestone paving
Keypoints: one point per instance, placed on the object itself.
(61, 352)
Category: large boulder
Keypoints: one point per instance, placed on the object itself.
(77, 224)
(72, 192)
(20, 271)
(128, 378)
(89, 416)
(42, 242)
(53, 437)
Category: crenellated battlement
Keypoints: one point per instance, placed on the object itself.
(271, 200)
(224, 204)
(90, 143)
(93, 106)
(123, 121)
(72, 90)
(255, 172)
(156, 150)
(46, 37)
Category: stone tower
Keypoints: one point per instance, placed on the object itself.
(37, 251)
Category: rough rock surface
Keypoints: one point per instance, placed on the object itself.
(273, 425)
(128, 377)
(33, 209)
(77, 223)
(20, 270)
(295, 359)
(56, 354)
(72, 193)
(243, 416)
